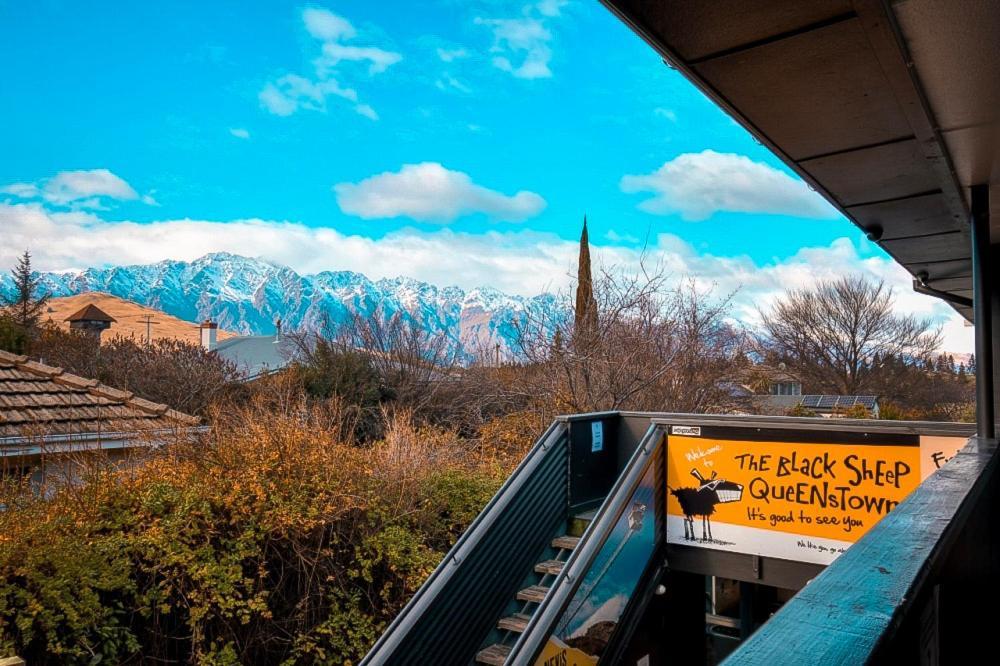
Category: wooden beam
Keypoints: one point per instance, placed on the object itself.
(772, 571)
(887, 41)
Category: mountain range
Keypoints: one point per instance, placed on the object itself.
(248, 295)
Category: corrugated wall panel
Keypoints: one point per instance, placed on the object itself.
(464, 612)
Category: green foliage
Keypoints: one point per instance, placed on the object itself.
(799, 410)
(27, 304)
(334, 370)
(855, 411)
(270, 541)
(13, 337)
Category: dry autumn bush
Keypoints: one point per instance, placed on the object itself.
(272, 538)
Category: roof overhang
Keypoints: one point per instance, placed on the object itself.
(887, 109)
(33, 446)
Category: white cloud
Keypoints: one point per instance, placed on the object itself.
(663, 112)
(430, 192)
(526, 39)
(294, 92)
(79, 189)
(327, 26)
(616, 237)
(698, 185)
(22, 190)
(522, 46)
(239, 132)
(448, 82)
(68, 186)
(366, 111)
(551, 7)
(334, 53)
(522, 262)
(451, 55)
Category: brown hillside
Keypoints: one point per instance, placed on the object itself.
(129, 316)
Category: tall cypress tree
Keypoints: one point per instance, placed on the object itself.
(586, 305)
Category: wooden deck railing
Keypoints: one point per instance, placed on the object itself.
(919, 588)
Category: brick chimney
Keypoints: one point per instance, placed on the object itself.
(209, 334)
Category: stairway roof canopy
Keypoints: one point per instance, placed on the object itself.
(887, 109)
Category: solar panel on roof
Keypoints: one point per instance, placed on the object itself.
(827, 401)
(810, 400)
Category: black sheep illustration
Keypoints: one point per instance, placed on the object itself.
(701, 501)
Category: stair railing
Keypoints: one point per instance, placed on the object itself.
(387, 647)
(564, 588)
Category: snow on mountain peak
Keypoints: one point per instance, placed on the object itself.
(247, 295)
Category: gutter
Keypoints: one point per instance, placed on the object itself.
(69, 443)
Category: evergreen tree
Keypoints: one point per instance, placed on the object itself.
(586, 305)
(24, 307)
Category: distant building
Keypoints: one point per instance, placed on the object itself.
(254, 355)
(91, 320)
(48, 415)
(827, 406)
(784, 384)
(763, 379)
(776, 391)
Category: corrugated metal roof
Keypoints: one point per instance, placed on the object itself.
(257, 355)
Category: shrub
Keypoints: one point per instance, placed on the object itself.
(799, 410)
(270, 540)
(173, 372)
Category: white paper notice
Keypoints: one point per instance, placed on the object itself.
(596, 436)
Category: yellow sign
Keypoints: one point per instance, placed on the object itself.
(557, 653)
(794, 500)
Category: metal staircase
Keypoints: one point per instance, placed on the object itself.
(486, 597)
(529, 598)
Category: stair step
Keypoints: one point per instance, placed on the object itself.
(566, 542)
(579, 523)
(533, 593)
(517, 622)
(494, 655)
(552, 567)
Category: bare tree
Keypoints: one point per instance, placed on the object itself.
(843, 336)
(179, 374)
(655, 347)
(385, 360)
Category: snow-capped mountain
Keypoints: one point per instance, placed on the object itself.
(247, 295)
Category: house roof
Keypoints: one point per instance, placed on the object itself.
(818, 403)
(39, 400)
(91, 312)
(887, 109)
(257, 355)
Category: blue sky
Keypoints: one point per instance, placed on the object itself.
(450, 141)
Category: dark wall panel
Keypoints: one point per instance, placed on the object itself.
(464, 612)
